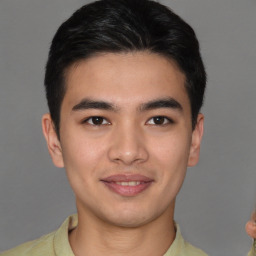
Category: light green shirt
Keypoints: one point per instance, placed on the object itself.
(57, 244)
(253, 250)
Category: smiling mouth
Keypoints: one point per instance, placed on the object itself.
(127, 185)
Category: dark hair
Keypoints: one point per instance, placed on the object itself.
(124, 26)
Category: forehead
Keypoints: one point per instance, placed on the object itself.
(124, 78)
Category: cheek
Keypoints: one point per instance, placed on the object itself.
(172, 150)
(82, 161)
(172, 159)
(81, 156)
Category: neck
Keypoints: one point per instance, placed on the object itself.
(94, 236)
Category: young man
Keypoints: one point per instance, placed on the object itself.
(125, 84)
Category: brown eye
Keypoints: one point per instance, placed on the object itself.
(159, 120)
(96, 120)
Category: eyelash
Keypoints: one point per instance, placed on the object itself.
(87, 121)
(166, 120)
(103, 121)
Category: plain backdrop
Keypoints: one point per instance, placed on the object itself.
(218, 195)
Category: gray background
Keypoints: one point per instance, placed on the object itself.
(218, 194)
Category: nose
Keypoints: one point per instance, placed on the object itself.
(128, 146)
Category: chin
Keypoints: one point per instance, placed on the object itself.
(129, 222)
(129, 218)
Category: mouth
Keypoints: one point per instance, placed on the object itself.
(127, 185)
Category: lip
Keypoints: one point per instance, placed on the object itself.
(113, 183)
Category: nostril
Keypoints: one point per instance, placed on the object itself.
(127, 145)
(128, 157)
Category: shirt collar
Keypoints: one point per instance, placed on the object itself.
(62, 246)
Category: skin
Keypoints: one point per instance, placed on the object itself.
(130, 138)
(250, 226)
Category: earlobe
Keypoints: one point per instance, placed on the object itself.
(52, 140)
(196, 141)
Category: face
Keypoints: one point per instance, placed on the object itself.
(126, 137)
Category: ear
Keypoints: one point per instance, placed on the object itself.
(197, 135)
(53, 143)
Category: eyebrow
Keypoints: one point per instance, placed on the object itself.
(93, 104)
(161, 103)
(151, 105)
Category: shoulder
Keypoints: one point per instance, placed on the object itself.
(180, 247)
(55, 243)
(41, 246)
(192, 250)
